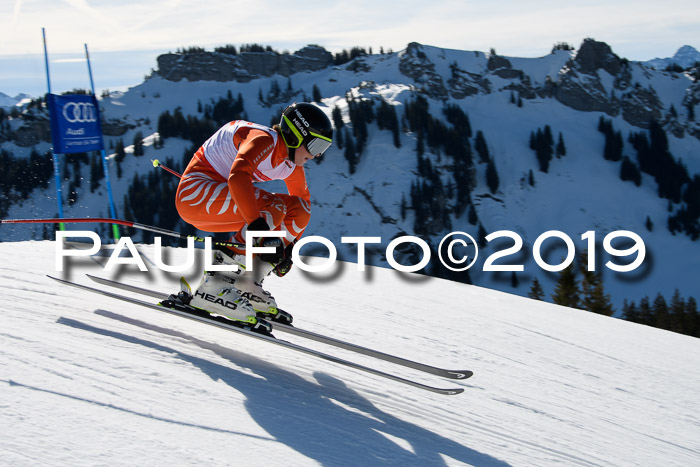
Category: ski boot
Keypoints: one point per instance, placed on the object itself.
(249, 284)
(215, 296)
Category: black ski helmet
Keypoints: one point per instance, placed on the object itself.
(304, 123)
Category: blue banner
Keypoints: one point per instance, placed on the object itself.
(75, 123)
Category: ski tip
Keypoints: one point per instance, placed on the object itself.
(452, 392)
(462, 374)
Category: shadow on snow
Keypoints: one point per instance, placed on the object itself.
(325, 421)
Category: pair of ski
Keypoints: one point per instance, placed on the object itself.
(445, 373)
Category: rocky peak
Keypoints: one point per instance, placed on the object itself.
(415, 64)
(594, 56)
(244, 67)
(497, 62)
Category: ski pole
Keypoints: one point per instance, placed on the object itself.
(157, 164)
(135, 225)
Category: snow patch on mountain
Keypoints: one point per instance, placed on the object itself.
(7, 102)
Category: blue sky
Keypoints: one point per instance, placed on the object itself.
(125, 37)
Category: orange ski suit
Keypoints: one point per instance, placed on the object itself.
(216, 192)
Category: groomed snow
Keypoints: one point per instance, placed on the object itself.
(88, 380)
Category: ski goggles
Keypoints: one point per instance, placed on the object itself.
(316, 146)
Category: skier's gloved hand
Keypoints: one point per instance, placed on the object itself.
(284, 266)
(260, 224)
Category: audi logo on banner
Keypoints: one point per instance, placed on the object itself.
(80, 112)
(75, 123)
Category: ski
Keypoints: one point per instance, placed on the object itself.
(445, 373)
(289, 345)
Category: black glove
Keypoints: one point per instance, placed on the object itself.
(260, 224)
(284, 266)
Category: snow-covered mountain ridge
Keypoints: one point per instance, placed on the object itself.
(100, 381)
(573, 79)
(8, 102)
(686, 57)
(505, 98)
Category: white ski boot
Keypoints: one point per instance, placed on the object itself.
(215, 297)
(249, 285)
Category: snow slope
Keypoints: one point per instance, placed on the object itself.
(88, 380)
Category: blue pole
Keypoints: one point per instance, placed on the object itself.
(46, 59)
(105, 164)
(56, 161)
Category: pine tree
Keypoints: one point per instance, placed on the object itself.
(613, 146)
(542, 143)
(338, 139)
(630, 312)
(481, 147)
(387, 120)
(492, 176)
(692, 318)
(630, 172)
(660, 312)
(129, 231)
(77, 177)
(275, 89)
(96, 173)
(72, 194)
(472, 217)
(420, 145)
(536, 291)
(646, 315)
(566, 290)
(350, 153)
(677, 313)
(481, 236)
(561, 147)
(138, 144)
(593, 296)
(316, 92)
(548, 138)
(337, 117)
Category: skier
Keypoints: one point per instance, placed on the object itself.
(216, 194)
